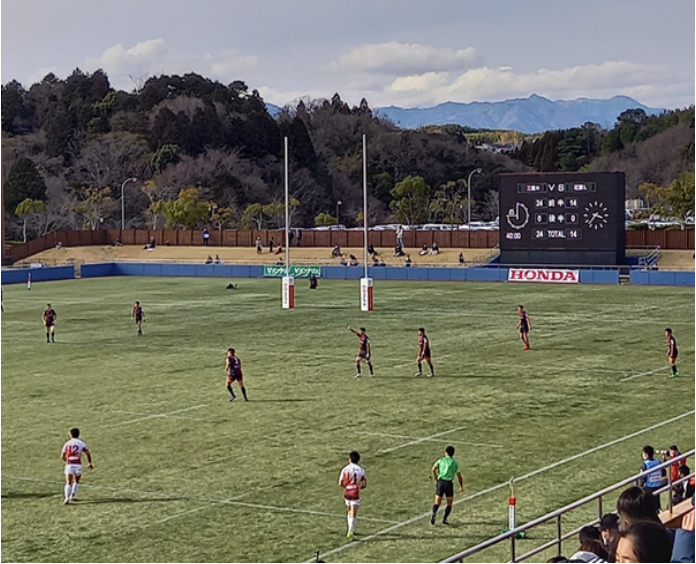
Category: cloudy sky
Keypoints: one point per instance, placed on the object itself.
(393, 52)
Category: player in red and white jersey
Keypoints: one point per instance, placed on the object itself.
(71, 454)
(352, 480)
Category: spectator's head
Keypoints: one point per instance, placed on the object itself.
(648, 452)
(589, 533)
(684, 471)
(674, 451)
(594, 546)
(609, 527)
(636, 504)
(644, 541)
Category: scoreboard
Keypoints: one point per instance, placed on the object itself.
(562, 219)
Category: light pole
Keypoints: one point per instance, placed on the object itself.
(468, 197)
(338, 212)
(123, 201)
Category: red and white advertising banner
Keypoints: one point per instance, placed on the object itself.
(549, 275)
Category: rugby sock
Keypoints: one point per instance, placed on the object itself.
(448, 510)
(432, 370)
(73, 493)
(369, 365)
(358, 367)
(435, 508)
(351, 524)
(420, 367)
(229, 389)
(47, 336)
(674, 369)
(67, 489)
(244, 394)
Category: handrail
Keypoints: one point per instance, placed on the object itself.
(558, 513)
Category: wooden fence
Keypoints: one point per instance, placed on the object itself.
(679, 240)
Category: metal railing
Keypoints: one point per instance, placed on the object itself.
(512, 535)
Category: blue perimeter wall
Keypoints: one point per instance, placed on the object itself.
(639, 277)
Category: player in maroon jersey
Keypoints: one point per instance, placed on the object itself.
(139, 317)
(524, 325)
(49, 319)
(424, 353)
(233, 367)
(364, 352)
(672, 352)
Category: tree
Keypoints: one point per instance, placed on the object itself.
(165, 155)
(23, 181)
(186, 211)
(681, 195)
(410, 200)
(275, 212)
(448, 205)
(254, 216)
(92, 205)
(323, 219)
(221, 217)
(30, 210)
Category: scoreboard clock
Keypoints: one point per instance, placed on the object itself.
(568, 219)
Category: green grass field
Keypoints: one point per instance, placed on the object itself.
(181, 474)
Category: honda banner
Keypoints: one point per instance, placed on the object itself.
(552, 275)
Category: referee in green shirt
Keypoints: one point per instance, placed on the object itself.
(444, 471)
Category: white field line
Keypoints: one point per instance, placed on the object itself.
(432, 440)
(421, 440)
(506, 484)
(204, 499)
(157, 416)
(172, 416)
(644, 373)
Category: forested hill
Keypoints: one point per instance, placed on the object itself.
(204, 152)
(73, 142)
(653, 149)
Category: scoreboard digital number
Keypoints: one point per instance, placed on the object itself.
(562, 211)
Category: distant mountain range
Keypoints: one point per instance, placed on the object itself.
(528, 115)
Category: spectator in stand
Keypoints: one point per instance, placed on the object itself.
(684, 490)
(461, 258)
(116, 242)
(59, 245)
(435, 250)
(336, 252)
(279, 250)
(375, 261)
(206, 236)
(313, 282)
(354, 261)
(636, 504)
(217, 260)
(400, 236)
(591, 547)
(271, 244)
(371, 250)
(291, 236)
(673, 452)
(654, 480)
(683, 549)
(609, 528)
(299, 237)
(644, 541)
(259, 246)
(209, 260)
(343, 261)
(408, 262)
(424, 250)
(280, 262)
(398, 251)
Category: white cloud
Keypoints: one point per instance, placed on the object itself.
(491, 84)
(153, 57)
(394, 58)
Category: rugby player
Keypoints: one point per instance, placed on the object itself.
(71, 454)
(139, 317)
(364, 352)
(233, 367)
(352, 480)
(524, 325)
(424, 353)
(49, 320)
(672, 352)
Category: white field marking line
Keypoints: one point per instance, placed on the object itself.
(157, 416)
(174, 416)
(421, 440)
(506, 484)
(204, 499)
(432, 440)
(644, 373)
(413, 362)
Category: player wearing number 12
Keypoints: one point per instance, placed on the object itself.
(71, 454)
(352, 480)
